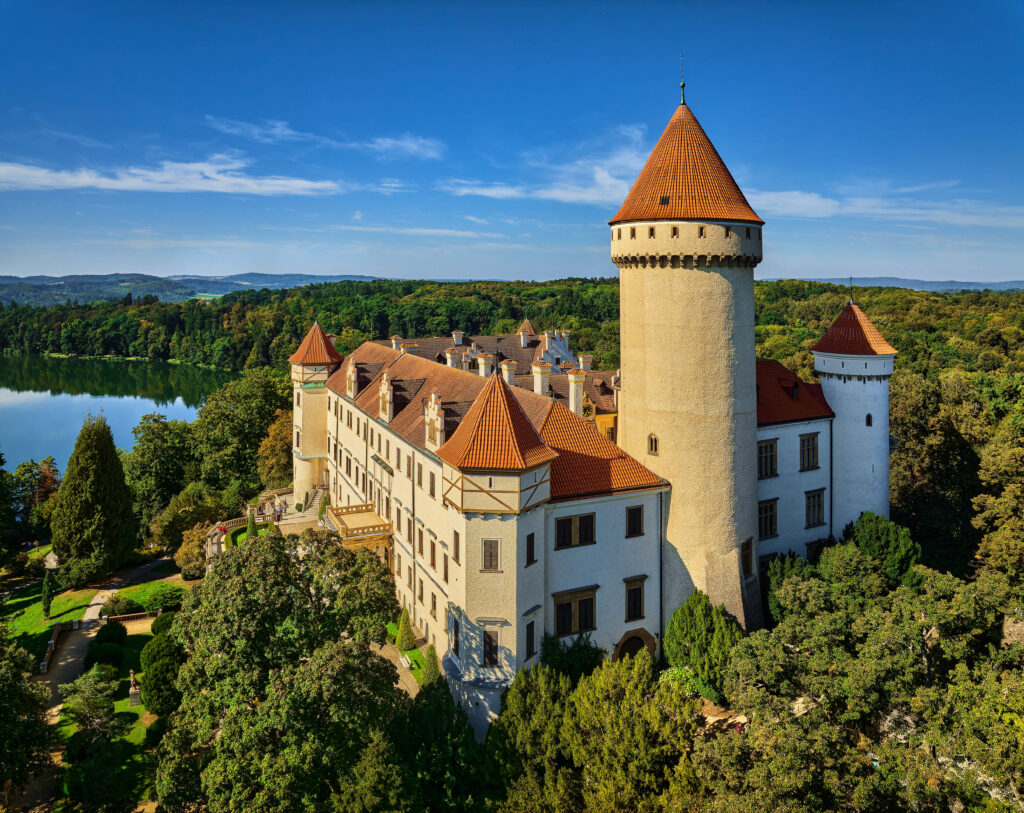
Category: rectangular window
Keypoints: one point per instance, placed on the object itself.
(573, 531)
(398, 565)
(349, 421)
(675, 231)
(419, 533)
(408, 466)
(444, 561)
(767, 519)
(348, 466)
(747, 557)
(635, 521)
(576, 611)
(767, 458)
(433, 554)
(371, 439)
(814, 502)
(700, 231)
(531, 553)
(419, 475)
(455, 636)
(632, 232)
(298, 442)
(431, 484)
(358, 425)
(634, 599)
(387, 449)
(408, 531)
(420, 593)
(489, 555)
(809, 452)
(531, 640)
(455, 546)
(490, 648)
(410, 577)
(296, 398)
(728, 232)
(433, 605)
(650, 231)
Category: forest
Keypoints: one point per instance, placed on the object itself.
(890, 676)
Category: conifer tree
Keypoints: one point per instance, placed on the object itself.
(94, 528)
(405, 640)
(431, 668)
(701, 637)
(250, 528)
(48, 591)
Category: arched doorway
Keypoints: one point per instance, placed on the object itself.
(633, 641)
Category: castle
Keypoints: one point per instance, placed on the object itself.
(514, 491)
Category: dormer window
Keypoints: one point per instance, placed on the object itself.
(665, 200)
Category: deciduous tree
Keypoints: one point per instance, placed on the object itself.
(274, 458)
(25, 734)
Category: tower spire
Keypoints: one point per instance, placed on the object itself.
(682, 84)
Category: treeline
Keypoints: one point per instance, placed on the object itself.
(262, 328)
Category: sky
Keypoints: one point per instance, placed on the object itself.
(495, 140)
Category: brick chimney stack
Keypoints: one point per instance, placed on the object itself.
(486, 362)
(576, 379)
(541, 377)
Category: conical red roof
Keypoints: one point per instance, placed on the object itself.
(852, 334)
(495, 434)
(316, 348)
(686, 171)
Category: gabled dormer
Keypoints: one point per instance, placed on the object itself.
(433, 419)
(386, 411)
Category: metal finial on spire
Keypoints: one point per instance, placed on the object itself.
(682, 84)
(851, 289)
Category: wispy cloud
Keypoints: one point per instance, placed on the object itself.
(415, 231)
(82, 140)
(272, 131)
(172, 242)
(218, 173)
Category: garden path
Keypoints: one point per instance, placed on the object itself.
(65, 666)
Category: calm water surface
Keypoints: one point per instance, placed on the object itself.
(43, 400)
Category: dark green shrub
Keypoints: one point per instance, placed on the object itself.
(120, 605)
(162, 623)
(159, 691)
(574, 658)
(161, 647)
(431, 668)
(701, 637)
(110, 654)
(156, 732)
(779, 569)
(889, 544)
(113, 632)
(405, 640)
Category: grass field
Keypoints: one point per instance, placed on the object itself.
(142, 593)
(239, 535)
(24, 615)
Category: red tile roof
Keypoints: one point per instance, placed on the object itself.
(316, 348)
(783, 397)
(686, 169)
(588, 463)
(495, 434)
(526, 328)
(853, 334)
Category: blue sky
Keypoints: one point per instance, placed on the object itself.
(483, 140)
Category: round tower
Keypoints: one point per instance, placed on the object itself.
(686, 243)
(312, 364)
(854, 364)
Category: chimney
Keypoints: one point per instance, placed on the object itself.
(457, 336)
(541, 376)
(486, 362)
(451, 357)
(586, 362)
(523, 339)
(576, 378)
(396, 342)
(408, 347)
(508, 372)
(547, 340)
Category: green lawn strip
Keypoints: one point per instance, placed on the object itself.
(240, 534)
(140, 593)
(41, 551)
(30, 629)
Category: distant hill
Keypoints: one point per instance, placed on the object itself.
(41, 290)
(941, 286)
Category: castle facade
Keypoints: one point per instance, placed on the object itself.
(518, 492)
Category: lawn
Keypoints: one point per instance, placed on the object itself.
(24, 615)
(142, 593)
(37, 553)
(414, 655)
(239, 535)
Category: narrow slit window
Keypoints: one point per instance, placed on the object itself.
(650, 231)
(700, 231)
(675, 231)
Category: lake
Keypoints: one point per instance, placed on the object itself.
(43, 400)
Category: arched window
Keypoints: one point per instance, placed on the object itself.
(867, 420)
(652, 444)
